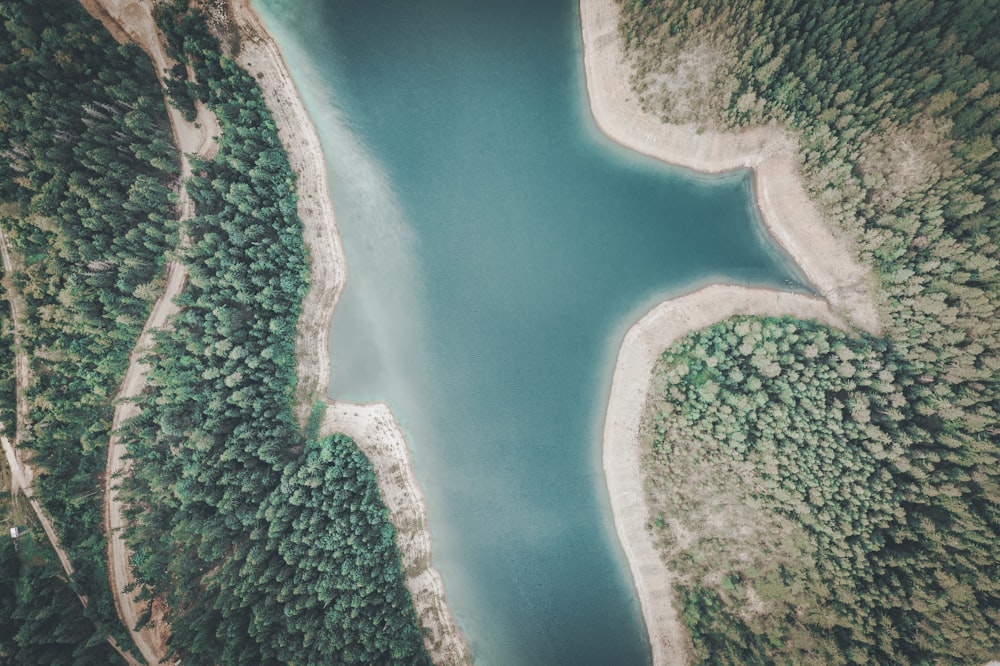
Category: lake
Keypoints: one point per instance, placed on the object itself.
(499, 247)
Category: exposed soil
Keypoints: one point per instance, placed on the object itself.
(372, 426)
(21, 474)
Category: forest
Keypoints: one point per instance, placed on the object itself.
(86, 181)
(871, 462)
(269, 542)
(41, 620)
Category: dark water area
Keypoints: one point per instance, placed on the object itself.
(499, 247)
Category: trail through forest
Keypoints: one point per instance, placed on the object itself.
(18, 471)
(21, 474)
(133, 21)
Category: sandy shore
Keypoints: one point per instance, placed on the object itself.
(792, 218)
(785, 208)
(373, 426)
(630, 387)
(794, 221)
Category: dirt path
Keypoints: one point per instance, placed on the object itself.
(19, 480)
(21, 474)
(373, 426)
(21, 368)
(131, 21)
(151, 640)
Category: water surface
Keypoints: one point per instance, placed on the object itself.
(498, 248)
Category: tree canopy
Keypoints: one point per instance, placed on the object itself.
(268, 544)
(86, 179)
(886, 448)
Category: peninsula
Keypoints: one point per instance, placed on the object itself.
(761, 399)
(790, 217)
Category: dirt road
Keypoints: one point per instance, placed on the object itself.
(21, 474)
(130, 21)
(21, 368)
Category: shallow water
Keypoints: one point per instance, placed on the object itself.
(498, 248)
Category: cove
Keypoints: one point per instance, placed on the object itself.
(498, 249)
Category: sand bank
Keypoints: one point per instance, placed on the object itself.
(373, 426)
(630, 387)
(790, 216)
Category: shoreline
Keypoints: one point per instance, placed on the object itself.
(630, 387)
(371, 426)
(791, 218)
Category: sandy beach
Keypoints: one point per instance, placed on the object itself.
(790, 215)
(785, 208)
(792, 219)
(630, 387)
(372, 426)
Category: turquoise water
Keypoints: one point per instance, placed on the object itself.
(499, 247)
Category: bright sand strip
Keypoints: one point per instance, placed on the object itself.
(630, 388)
(793, 220)
(373, 426)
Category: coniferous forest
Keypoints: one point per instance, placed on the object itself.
(825, 497)
(41, 620)
(268, 542)
(86, 174)
(871, 462)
